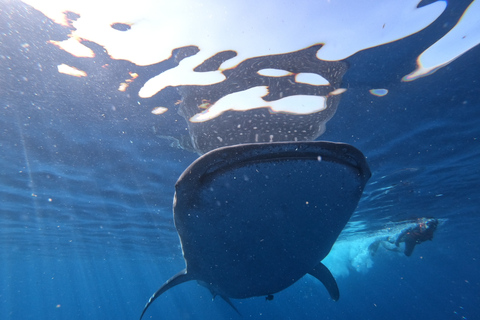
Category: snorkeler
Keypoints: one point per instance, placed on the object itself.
(423, 231)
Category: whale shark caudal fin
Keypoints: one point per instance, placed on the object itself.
(177, 279)
(325, 276)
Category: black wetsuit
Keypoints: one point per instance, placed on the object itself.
(423, 231)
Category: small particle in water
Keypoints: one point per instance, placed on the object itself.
(159, 110)
(319, 158)
(378, 92)
(50, 200)
(121, 26)
(58, 305)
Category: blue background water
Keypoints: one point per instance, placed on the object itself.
(87, 180)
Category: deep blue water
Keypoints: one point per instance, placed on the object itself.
(87, 181)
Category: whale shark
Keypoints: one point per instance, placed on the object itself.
(255, 218)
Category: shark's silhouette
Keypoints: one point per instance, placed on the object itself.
(255, 218)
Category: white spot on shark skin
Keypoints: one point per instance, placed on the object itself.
(252, 99)
(250, 28)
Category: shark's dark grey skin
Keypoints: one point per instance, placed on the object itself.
(255, 218)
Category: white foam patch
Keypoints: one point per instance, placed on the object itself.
(350, 255)
(159, 110)
(299, 104)
(464, 36)
(72, 45)
(252, 99)
(269, 72)
(72, 71)
(337, 92)
(311, 78)
(183, 74)
(251, 28)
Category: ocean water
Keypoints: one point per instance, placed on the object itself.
(87, 177)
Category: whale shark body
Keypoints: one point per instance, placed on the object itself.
(255, 218)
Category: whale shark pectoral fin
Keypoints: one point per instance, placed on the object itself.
(177, 279)
(325, 276)
(227, 300)
(214, 294)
